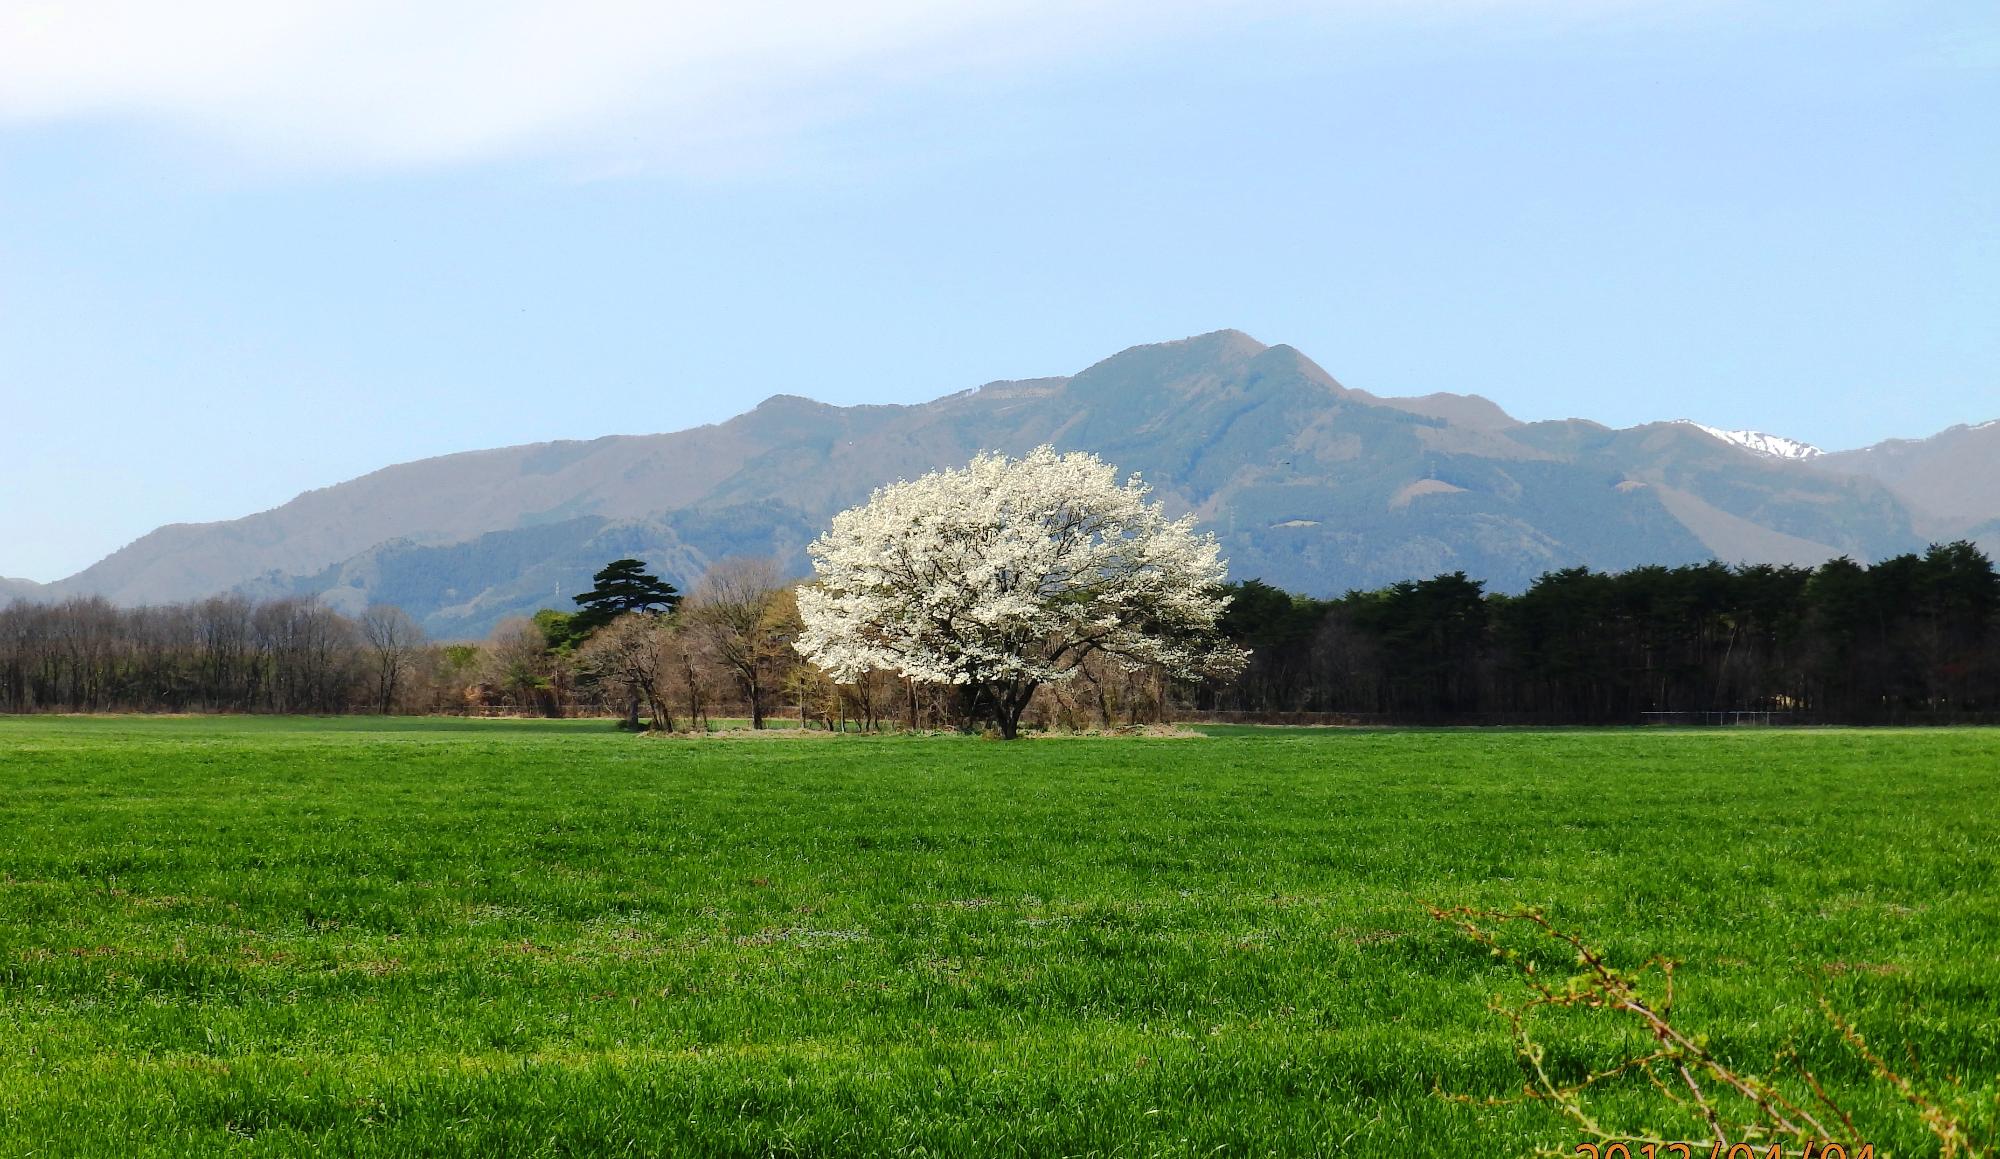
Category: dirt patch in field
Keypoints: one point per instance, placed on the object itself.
(1167, 731)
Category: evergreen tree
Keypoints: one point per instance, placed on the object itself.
(623, 585)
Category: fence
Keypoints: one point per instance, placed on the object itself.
(1756, 716)
(1365, 719)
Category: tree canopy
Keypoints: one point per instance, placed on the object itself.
(621, 586)
(1009, 574)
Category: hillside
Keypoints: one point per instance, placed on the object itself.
(1308, 484)
(13, 589)
(1951, 480)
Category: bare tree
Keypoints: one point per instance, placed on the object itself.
(817, 696)
(745, 618)
(226, 653)
(634, 654)
(393, 640)
(692, 679)
(450, 676)
(310, 648)
(872, 695)
(516, 660)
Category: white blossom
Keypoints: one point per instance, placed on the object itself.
(1007, 574)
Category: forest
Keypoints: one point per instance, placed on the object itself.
(1911, 639)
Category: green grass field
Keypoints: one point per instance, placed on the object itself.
(430, 937)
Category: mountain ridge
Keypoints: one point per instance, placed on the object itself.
(1951, 478)
(1760, 442)
(1308, 483)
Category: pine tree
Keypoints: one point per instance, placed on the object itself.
(623, 585)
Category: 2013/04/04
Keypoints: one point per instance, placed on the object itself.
(1717, 1151)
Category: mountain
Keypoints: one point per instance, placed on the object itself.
(1951, 480)
(1308, 484)
(19, 589)
(1776, 446)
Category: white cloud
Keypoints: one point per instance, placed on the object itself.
(388, 83)
(378, 83)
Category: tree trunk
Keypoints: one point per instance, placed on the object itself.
(970, 709)
(1008, 707)
(663, 716)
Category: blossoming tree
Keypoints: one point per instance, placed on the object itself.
(1007, 575)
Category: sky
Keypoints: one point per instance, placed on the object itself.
(250, 249)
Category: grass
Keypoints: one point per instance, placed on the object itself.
(439, 937)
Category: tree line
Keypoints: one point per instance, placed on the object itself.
(1915, 637)
(224, 654)
(297, 655)
(633, 648)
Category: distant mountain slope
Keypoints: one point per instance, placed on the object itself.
(19, 589)
(1951, 480)
(1308, 484)
(441, 500)
(1743, 505)
(462, 589)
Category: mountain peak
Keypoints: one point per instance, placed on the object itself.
(1225, 340)
(1758, 443)
(786, 402)
(1144, 375)
(1213, 348)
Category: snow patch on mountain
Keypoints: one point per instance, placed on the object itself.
(1757, 442)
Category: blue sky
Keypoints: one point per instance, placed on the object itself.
(243, 254)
